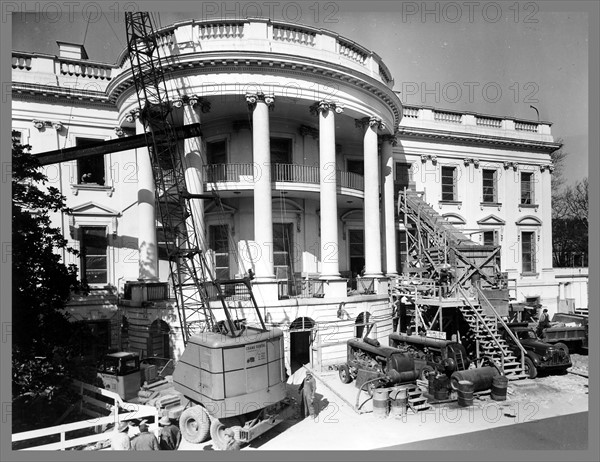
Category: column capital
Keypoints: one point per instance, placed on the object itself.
(387, 138)
(372, 121)
(193, 101)
(514, 165)
(306, 130)
(325, 106)
(548, 167)
(132, 115)
(253, 98)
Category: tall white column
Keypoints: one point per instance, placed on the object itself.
(263, 208)
(390, 225)
(328, 183)
(147, 246)
(371, 202)
(192, 163)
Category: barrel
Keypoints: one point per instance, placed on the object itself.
(441, 386)
(481, 378)
(398, 401)
(465, 393)
(499, 386)
(380, 402)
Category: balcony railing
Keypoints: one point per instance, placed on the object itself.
(226, 173)
(293, 173)
(302, 288)
(350, 180)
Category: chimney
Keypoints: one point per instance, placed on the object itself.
(71, 51)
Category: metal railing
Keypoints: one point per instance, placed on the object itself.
(217, 173)
(302, 288)
(504, 326)
(294, 173)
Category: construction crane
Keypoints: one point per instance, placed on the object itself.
(231, 374)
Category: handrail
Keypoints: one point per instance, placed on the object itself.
(510, 333)
(466, 298)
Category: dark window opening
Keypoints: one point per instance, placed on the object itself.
(448, 183)
(94, 245)
(489, 186)
(489, 238)
(528, 251)
(90, 170)
(356, 247)
(216, 152)
(355, 166)
(527, 188)
(219, 243)
(281, 151)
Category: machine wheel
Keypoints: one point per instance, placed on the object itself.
(562, 346)
(217, 434)
(345, 375)
(424, 374)
(530, 368)
(194, 424)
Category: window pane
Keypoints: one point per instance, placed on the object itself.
(90, 169)
(489, 186)
(355, 166)
(526, 188)
(528, 251)
(489, 238)
(281, 150)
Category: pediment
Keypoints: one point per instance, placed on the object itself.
(529, 220)
(353, 215)
(286, 205)
(224, 208)
(94, 209)
(491, 220)
(454, 218)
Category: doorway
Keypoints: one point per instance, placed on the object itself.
(158, 340)
(301, 338)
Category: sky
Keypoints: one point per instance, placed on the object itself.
(496, 58)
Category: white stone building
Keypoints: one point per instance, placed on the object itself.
(319, 113)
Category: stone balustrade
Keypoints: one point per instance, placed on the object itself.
(413, 115)
(196, 37)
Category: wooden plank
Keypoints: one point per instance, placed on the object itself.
(110, 146)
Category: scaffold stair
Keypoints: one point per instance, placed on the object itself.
(415, 399)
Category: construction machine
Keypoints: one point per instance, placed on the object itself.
(231, 373)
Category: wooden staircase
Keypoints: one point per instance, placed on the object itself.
(489, 341)
(415, 399)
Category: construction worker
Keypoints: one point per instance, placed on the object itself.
(543, 322)
(307, 388)
(145, 441)
(169, 435)
(120, 441)
(232, 444)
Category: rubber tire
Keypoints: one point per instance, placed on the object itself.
(344, 374)
(562, 346)
(423, 374)
(194, 424)
(217, 434)
(530, 368)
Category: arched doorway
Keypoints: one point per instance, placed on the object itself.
(158, 340)
(362, 321)
(301, 330)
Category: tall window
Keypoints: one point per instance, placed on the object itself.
(528, 251)
(219, 242)
(449, 184)
(283, 250)
(527, 188)
(356, 247)
(94, 246)
(90, 170)
(490, 188)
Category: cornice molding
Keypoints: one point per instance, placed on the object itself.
(471, 138)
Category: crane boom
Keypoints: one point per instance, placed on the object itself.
(190, 272)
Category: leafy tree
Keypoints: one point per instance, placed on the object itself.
(45, 350)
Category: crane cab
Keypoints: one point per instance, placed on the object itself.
(120, 373)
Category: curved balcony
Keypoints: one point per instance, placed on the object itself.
(241, 176)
